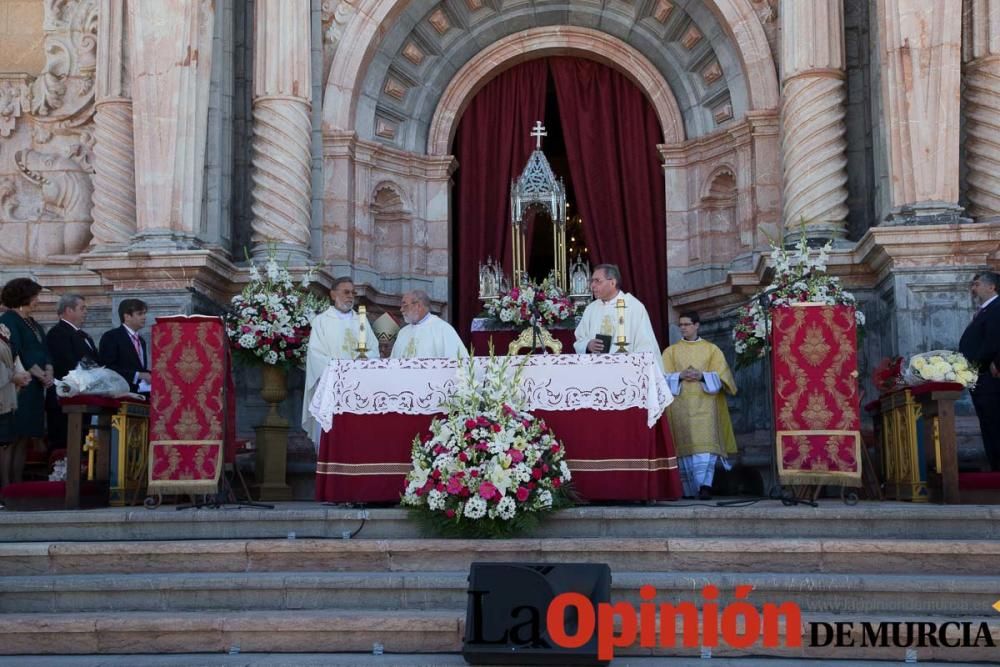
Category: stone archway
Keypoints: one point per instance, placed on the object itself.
(368, 37)
(540, 42)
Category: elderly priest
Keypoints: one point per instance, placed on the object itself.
(334, 335)
(425, 335)
(600, 319)
(698, 374)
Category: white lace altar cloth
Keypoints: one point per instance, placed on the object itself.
(550, 382)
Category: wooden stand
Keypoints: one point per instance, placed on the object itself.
(917, 434)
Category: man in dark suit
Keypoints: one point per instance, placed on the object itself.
(981, 346)
(124, 351)
(68, 345)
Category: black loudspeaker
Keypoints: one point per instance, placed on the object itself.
(505, 619)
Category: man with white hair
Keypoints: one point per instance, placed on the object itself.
(334, 335)
(425, 335)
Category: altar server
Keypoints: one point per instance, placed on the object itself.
(697, 374)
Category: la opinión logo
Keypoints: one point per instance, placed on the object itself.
(739, 624)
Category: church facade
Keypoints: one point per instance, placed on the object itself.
(147, 148)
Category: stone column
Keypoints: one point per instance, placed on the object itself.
(114, 151)
(919, 43)
(813, 131)
(171, 65)
(282, 152)
(981, 55)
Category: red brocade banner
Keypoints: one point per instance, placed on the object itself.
(817, 416)
(192, 415)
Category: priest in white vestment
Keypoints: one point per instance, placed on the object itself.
(335, 333)
(425, 335)
(601, 318)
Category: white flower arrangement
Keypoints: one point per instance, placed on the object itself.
(269, 321)
(800, 277)
(531, 303)
(488, 468)
(941, 366)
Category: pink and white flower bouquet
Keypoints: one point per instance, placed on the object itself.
(269, 321)
(488, 468)
(532, 303)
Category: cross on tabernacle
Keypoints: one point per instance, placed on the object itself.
(538, 132)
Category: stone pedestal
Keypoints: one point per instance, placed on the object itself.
(272, 452)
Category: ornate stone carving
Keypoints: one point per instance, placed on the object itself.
(51, 221)
(14, 100)
(813, 132)
(46, 126)
(335, 14)
(64, 91)
(982, 108)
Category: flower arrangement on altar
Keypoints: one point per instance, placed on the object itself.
(800, 277)
(941, 366)
(531, 303)
(488, 468)
(269, 321)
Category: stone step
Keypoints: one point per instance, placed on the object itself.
(891, 520)
(396, 631)
(821, 593)
(691, 554)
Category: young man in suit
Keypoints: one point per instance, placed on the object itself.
(68, 345)
(981, 346)
(124, 351)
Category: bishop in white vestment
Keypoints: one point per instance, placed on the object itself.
(335, 333)
(425, 335)
(601, 317)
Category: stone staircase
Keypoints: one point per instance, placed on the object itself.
(123, 581)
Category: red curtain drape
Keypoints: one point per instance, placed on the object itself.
(611, 133)
(492, 145)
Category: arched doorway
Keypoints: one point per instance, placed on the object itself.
(610, 132)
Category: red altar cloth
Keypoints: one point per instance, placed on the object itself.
(502, 340)
(817, 417)
(612, 455)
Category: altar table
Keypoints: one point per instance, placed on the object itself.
(606, 409)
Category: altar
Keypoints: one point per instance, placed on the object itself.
(608, 410)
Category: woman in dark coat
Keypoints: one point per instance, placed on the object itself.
(27, 340)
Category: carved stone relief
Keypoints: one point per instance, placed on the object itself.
(335, 15)
(46, 143)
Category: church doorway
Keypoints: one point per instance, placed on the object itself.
(602, 138)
